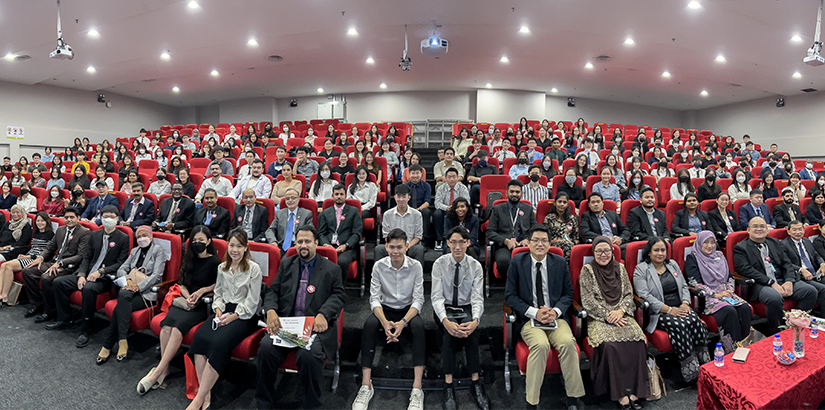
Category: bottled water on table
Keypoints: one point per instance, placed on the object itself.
(777, 344)
(719, 356)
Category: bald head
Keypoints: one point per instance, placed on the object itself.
(758, 229)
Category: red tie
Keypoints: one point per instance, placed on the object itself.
(452, 195)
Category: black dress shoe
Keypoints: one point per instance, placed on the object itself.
(636, 404)
(58, 325)
(34, 311)
(482, 402)
(449, 399)
(43, 317)
(572, 403)
(83, 340)
(626, 406)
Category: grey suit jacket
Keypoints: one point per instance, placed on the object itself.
(277, 230)
(648, 287)
(155, 263)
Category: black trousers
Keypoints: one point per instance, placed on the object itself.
(127, 302)
(31, 281)
(345, 258)
(502, 258)
(426, 214)
(450, 344)
(734, 320)
(64, 286)
(310, 365)
(372, 328)
(438, 221)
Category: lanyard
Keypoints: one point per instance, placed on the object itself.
(514, 220)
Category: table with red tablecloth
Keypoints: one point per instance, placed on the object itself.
(763, 383)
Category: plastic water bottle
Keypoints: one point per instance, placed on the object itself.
(814, 329)
(719, 356)
(777, 345)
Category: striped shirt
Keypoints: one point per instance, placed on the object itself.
(534, 195)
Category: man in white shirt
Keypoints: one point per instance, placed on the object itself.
(246, 169)
(504, 152)
(221, 185)
(396, 298)
(444, 197)
(591, 154)
(407, 219)
(255, 181)
(185, 144)
(441, 167)
(142, 139)
(458, 303)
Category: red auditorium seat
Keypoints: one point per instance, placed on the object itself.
(670, 210)
(492, 183)
(608, 206)
(542, 209)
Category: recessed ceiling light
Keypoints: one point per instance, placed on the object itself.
(489, 85)
(320, 90)
(352, 32)
(252, 42)
(694, 5)
(214, 73)
(164, 56)
(193, 4)
(504, 59)
(589, 66)
(666, 74)
(90, 70)
(93, 33)
(175, 89)
(9, 56)
(370, 60)
(524, 30)
(796, 38)
(797, 75)
(629, 42)
(720, 59)
(554, 90)
(383, 85)
(704, 93)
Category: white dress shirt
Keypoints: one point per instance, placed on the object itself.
(397, 288)
(470, 288)
(533, 311)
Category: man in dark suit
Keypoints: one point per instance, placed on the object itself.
(764, 260)
(509, 224)
(252, 217)
(288, 221)
(806, 260)
(306, 285)
(787, 211)
(211, 215)
(646, 222)
(756, 208)
(139, 211)
(601, 222)
(61, 257)
(539, 288)
(340, 226)
(108, 249)
(96, 204)
(176, 212)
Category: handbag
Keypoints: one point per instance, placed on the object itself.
(138, 275)
(752, 338)
(657, 383)
(181, 303)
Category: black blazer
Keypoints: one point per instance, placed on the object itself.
(328, 299)
(574, 193)
(144, 215)
(681, 223)
(590, 227)
(118, 251)
(349, 232)
(819, 245)
(782, 214)
(183, 219)
(74, 253)
(794, 257)
(6, 237)
(748, 262)
(501, 223)
(260, 220)
(219, 225)
(518, 293)
(717, 222)
(639, 225)
(813, 214)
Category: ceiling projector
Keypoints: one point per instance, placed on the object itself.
(814, 59)
(434, 46)
(63, 51)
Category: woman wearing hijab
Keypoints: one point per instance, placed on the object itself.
(707, 269)
(618, 365)
(660, 283)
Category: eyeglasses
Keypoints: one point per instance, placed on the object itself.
(542, 241)
(603, 253)
(291, 198)
(455, 243)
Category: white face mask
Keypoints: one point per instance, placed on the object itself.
(144, 241)
(110, 223)
(324, 174)
(809, 166)
(54, 194)
(615, 152)
(143, 151)
(684, 155)
(740, 179)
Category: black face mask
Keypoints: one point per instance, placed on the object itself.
(77, 193)
(684, 178)
(663, 164)
(710, 178)
(522, 161)
(198, 247)
(534, 177)
(24, 191)
(772, 164)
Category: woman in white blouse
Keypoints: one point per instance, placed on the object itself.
(321, 189)
(142, 154)
(363, 190)
(100, 175)
(234, 317)
(739, 189)
(26, 198)
(286, 134)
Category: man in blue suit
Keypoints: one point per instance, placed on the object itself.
(139, 211)
(539, 289)
(96, 204)
(754, 209)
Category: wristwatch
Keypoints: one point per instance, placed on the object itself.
(405, 321)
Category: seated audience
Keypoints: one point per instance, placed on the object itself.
(253, 218)
(708, 189)
(441, 167)
(15, 234)
(55, 179)
(274, 168)
(175, 213)
(96, 204)
(597, 221)
(461, 215)
(787, 211)
(363, 190)
(723, 221)
(816, 210)
(222, 186)
(682, 187)
(78, 200)
(79, 178)
(255, 181)
(445, 196)
(690, 220)
(321, 189)
(100, 175)
(534, 191)
(768, 188)
(37, 181)
(521, 166)
(287, 222)
(303, 165)
(340, 227)
(279, 188)
(608, 190)
(477, 171)
(574, 191)
(646, 222)
(25, 254)
(26, 198)
(139, 210)
(808, 264)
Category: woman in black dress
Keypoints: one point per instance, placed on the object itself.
(198, 273)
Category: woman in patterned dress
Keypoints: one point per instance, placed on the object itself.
(563, 225)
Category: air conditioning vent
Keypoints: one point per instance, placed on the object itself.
(809, 90)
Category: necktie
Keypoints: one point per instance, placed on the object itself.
(759, 212)
(208, 219)
(339, 213)
(455, 285)
(132, 214)
(764, 252)
(452, 195)
(792, 214)
(99, 261)
(414, 195)
(247, 217)
(288, 235)
(300, 299)
(539, 287)
(65, 241)
(805, 260)
(172, 210)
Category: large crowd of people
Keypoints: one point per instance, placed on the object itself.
(548, 163)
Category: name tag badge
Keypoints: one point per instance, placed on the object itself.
(614, 225)
(767, 259)
(140, 213)
(70, 237)
(569, 227)
(703, 222)
(111, 244)
(521, 213)
(310, 289)
(730, 217)
(656, 220)
(240, 218)
(334, 238)
(214, 215)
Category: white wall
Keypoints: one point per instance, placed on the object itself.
(410, 106)
(509, 105)
(54, 116)
(610, 112)
(307, 108)
(252, 109)
(797, 128)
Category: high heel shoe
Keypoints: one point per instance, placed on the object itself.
(122, 350)
(100, 356)
(144, 386)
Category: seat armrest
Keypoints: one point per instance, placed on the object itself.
(579, 311)
(157, 287)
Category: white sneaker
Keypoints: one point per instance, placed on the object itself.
(362, 400)
(416, 400)
(438, 246)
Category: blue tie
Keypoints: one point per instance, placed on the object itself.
(208, 217)
(759, 212)
(805, 259)
(288, 236)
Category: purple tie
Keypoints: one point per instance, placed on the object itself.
(300, 299)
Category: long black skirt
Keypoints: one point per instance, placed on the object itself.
(620, 368)
(185, 320)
